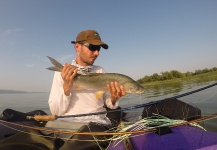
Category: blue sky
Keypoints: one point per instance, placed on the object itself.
(144, 37)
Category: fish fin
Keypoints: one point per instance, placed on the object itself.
(99, 94)
(58, 66)
(54, 68)
(77, 88)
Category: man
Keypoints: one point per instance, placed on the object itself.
(65, 100)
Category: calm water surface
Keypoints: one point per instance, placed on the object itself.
(205, 100)
(25, 102)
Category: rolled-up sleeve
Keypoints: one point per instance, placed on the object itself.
(58, 101)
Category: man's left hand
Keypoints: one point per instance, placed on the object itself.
(116, 91)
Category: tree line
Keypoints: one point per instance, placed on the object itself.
(168, 75)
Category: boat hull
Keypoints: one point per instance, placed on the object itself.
(183, 138)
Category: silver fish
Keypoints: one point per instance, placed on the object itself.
(99, 81)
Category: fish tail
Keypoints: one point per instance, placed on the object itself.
(58, 66)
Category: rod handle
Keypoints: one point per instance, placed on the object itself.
(42, 117)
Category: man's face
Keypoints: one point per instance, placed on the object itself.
(85, 55)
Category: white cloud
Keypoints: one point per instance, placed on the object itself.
(11, 31)
(65, 58)
(38, 56)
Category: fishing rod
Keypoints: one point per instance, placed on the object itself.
(195, 91)
(53, 117)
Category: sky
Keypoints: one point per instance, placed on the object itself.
(144, 37)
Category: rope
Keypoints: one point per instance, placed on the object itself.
(140, 105)
(109, 133)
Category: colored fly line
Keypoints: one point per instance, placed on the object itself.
(138, 128)
(52, 117)
(167, 122)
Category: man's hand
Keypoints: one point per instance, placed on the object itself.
(68, 73)
(116, 91)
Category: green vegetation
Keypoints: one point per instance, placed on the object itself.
(176, 76)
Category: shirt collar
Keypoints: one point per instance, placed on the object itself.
(82, 69)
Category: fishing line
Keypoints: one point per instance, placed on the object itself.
(195, 91)
(140, 105)
(153, 129)
(138, 131)
(212, 95)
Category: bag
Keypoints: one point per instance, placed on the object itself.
(13, 115)
(174, 109)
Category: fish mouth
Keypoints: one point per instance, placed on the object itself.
(140, 92)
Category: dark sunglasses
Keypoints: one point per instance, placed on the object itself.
(92, 47)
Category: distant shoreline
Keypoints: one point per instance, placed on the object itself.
(205, 77)
(6, 91)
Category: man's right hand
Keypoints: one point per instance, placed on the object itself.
(68, 74)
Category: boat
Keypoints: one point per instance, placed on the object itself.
(183, 137)
(158, 128)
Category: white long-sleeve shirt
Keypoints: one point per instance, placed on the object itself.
(79, 102)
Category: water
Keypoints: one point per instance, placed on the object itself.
(205, 100)
(25, 102)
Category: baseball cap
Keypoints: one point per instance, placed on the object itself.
(91, 37)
